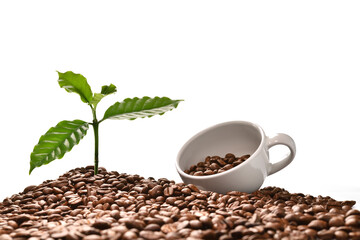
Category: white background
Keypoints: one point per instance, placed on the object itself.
(289, 66)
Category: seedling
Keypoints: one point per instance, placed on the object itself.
(60, 139)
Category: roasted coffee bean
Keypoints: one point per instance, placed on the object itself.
(336, 221)
(150, 235)
(138, 224)
(101, 224)
(115, 214)
(352, 220)
(195, 224)
(227, 167)
(79, 185)
(248, 207)
(168, 191)
(325, 234)
(172, 236)
(105, 199)
(352, 212)
(152, 227)
(171, 200)
(59, 235)
(47, 190)
(341, 235)
(354, 235)
(129, 235)
(274, 226)
(156, 191)
(215, 164)
(221, 162)
(74, 201)
(229, 155)
(317, 224)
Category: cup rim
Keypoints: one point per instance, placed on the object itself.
(258, 149)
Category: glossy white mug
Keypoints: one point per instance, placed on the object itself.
(239, 138)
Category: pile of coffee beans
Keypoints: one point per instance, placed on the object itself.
(79, 205)
(216, 164)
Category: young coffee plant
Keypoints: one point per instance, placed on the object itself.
(60, 139)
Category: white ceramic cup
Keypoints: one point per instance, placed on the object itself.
(239, 138)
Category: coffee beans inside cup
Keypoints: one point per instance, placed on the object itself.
(216, 164)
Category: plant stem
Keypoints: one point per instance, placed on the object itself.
(96, 136)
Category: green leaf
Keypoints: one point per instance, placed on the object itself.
(76, 83)
(105, 90)
(132, 108)
(57, 141)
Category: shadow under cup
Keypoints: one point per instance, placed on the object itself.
(237, 137)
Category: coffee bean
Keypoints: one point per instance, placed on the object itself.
(59, 235)
(198, 173)
(227, 167)
(21, 218)
(115, 214)
(209, 172)
(172, 236)
(318, 208)
(336, 221)
(53, 211)
(352, 220)
(74, 201)
(156, 191)
(130, 235)
(317, 224)
(91, 237)
(195, 224)
(221, 162)
(168, 227)
(305, 219)
(352, 212)
(150, 235)
(325, 234)
(274, 226)
(298, 208)
(29, 188)
(214, 166)
(292, 217)
(152, 227)
(248, 207)
(105, 199)
(54, 217)
(237, 162)
(193, 188)
(341, 235)
(171, 200)
(101, 224)
(51, 199)
(310, 233)
(138, 224)
(168, 191)
(47, 190)
(21, 234)
(79, 185)
(355, 235)
(5, 237)
(229, 155)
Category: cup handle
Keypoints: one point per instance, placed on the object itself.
(286, 140)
